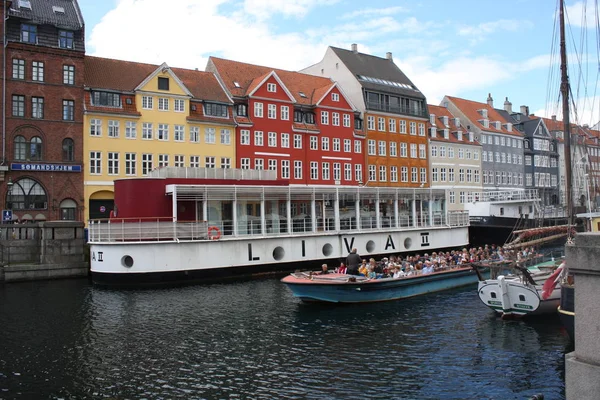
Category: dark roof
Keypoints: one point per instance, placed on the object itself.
(379, 68)
(60, 13)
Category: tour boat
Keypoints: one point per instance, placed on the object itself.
(341, 288)
(201, 223)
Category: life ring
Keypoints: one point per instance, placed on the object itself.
(214, 233)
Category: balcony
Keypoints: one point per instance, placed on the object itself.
(412, 111)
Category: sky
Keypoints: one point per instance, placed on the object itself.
(461, 48)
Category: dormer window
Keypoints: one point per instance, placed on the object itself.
(358, 124)
(459, 135)
(65, 39)
(445, 120)
(271, 87)
(29, 33)
(432, 119)
(470, 136)
(215, 110)
(498, 125)
(25, 4)
(446, 134)
(309, 118)
(483, 112)
(509, 126)
(163, 83)
(58, 10)
(106, 99)
(298, 116)
(457, 122)
(335, 97)
(241, 110)
(484, 122)
(433, 131)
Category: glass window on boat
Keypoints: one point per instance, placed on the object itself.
(405, 210)
(324, 204)
(301, 212)
(368, 217)
(386, 210)
(276, 213)
(249, 221)
(348, 211)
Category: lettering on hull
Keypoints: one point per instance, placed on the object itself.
(425, 239)
(99, 257)
(390, 243)
(250, 258)
(349, 246)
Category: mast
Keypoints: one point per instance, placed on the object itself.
(564, 89)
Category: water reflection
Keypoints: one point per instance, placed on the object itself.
(67, 339)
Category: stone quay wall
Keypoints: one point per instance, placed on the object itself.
(43, 250)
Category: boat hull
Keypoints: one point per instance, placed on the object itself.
(567, 309)
(376, 290)
(515, 299)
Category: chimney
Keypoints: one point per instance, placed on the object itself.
(524, 110)
(490, 101)
(507, 106)
(388, 55)
(553, 118)
(354, 48)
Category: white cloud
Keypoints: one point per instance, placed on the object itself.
(479, 32)
(582, 14)
(368, 12)
(586, 111)
(265, 9)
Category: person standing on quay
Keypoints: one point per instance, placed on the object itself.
(352, 262)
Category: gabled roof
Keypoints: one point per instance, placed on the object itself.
(126, 76)
(60, 13)
(259, 81)
(239, 77)
(471, 111)
(377, 68)
(163, 68)
(453, 130)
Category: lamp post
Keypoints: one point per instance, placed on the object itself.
(7, 214)
(587, 186)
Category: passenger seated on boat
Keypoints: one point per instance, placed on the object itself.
(342, 269)
(324, 270)
(427, 268)
(371, 274)
(363, 270)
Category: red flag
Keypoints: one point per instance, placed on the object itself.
(551, 282)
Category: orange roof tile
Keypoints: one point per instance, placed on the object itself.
(471, 110)
(439, 112)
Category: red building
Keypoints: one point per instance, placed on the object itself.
(299, 125)
(42, 150)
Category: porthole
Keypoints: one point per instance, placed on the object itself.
(407, 243)
(278, 253)
(370, 246)
(327, 250)
(521, 297)
(493, 295)
(127, 261)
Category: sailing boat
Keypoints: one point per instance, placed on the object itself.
(523, 294)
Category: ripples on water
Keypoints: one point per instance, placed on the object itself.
(68, 339)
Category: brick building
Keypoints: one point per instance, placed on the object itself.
(42, 149)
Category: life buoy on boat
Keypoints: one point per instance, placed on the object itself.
(214, 233)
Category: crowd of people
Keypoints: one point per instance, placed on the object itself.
(397, 266)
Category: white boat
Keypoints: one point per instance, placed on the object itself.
(180, 225)
(522, 294)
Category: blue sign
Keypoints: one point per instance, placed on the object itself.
(45, 167)
(6, 215)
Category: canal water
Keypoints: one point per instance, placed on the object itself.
(71, 340)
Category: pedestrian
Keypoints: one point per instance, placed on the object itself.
(353, 261)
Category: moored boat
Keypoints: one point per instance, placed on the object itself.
(341, 288)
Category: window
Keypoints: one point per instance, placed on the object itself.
(130, 130)
(403, 148)
(95, 162)
(314, 143)
(461, 153)
(271, 111)
(147, 130)
(113, 128)
(95, 127)
(68, 74)
(37, 71)
(393, 149)
(452, 198)
(68, 149)
(147, 164)
(382, 147)
(210, 135)
(314, 170)
(297, 169)
(421, 129)
(371, 123)
(404, 174)
(347, 146)
(106, 99)
(413, 128)
(393, 173)
(285, 113)
(450, 152)
(27, 194)
(443, 151)
(434, 175)
(381, 124)
(422, 151)
(358, 172)
(443, 175)
(371, 147)
(325, 117)
(335, 97)
(337, 171)
(163, 160)
(245, 137)
(297, 141)
(461, 197)
(335, 119)
(325, 143)
(113, 163)
(216, 110)
(469, 175)
(209, 162)
(484, 156)
(285, 140)
(259, 164)
(326, 176)
(285, 169)
(130, 164)
(31, 150)
(337, 144)
(402, 126)
(347, 171)
(346, 120)
(179, 133)
(258, 110)
(392, 125)
(357, 146)
(68, 110)
(461, 175)
(241, 110)
(450, 174)
(434, 151)
(225, 136)
(37, 107)
(163, 83)
(527, 160)
(271, 87)
(18, 105)
(413, 174)
(28, 33)
(413, 150)
(179, 160)
(163, 104)
(163, 132)
(179, 105)
(272, 140)
(273, 165)
(225, 163)
(245, 163)
(258, 138)
(65, 39)
(18, 71)
(382, 173)
(147, 102)
(195, 161)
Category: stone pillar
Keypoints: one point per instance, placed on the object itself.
(582, 366)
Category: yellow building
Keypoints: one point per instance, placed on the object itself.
(139, 117)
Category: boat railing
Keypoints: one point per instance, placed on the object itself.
(507, 195)
(458, 218)
(145, 229)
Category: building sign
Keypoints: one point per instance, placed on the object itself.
(7, 215)
(45, 167)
